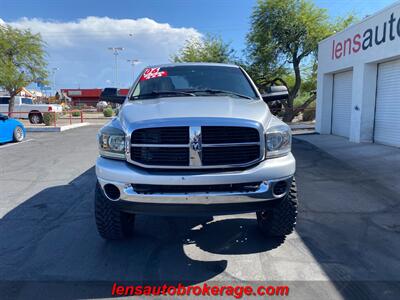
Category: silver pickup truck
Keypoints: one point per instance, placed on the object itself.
(194, 139)
(24, 108)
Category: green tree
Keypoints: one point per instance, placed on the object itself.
(207, 49)
(22, 60)
(283, 44)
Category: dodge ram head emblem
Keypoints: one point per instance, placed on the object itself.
(195, 146)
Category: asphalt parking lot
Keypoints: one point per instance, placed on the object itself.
(346, 243)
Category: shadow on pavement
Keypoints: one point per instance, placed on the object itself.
(232, 237)
(50, 247)
(347, 236)
(349, 222)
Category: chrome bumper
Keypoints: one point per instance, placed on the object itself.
(263, 193)
(123, 175)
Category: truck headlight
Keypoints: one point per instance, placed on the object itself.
(112, 143)
(278, 141)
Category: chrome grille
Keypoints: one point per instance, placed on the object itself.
(196, 147)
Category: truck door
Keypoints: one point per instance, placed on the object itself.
(17, 108)
(25, 107)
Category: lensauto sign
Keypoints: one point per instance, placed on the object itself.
(371, 37)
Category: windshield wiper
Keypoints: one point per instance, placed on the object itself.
(212, 91)
(164, 93)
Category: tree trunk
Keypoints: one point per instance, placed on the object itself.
(290, 113)
(11, 105)
(297, 83)
(288, 116)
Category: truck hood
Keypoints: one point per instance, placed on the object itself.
(194, 107)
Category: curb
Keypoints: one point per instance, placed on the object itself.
(303, 132)
(55, 129)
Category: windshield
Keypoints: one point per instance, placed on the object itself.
(193, 81)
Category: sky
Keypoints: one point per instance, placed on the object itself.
(78, 33)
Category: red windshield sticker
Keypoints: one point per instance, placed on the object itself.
(150, 73)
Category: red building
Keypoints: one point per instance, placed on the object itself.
(88, 97)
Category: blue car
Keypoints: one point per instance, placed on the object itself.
(11, 130)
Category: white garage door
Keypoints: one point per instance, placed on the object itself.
(341, 105)
(387, 108)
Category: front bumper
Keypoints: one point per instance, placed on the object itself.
(123, 175)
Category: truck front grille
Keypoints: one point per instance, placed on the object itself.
(196, 147)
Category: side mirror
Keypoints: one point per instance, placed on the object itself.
(3, 118)
(111, 95)
(275, 92)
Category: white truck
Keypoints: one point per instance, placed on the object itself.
(195, 139)
(24, 108)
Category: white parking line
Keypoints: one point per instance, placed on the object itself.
(14, 144)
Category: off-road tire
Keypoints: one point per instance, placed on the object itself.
(18, 134)
(112, 224)
(35, 118)
(281, 219)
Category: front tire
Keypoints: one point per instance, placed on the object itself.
(18, 134)
(280, 220)
(112, 224)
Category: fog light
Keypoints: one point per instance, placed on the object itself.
(280, 188)
(112, 191)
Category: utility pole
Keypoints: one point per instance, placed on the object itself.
(53, 71)
(116, 51)
(133, 62)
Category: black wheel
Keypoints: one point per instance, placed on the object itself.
(35, 118)
(281, 219)
(18, 134)
(112, 224)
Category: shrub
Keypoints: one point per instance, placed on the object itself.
(309, 113)
(48, 118)
(108, 112)
(76, 113)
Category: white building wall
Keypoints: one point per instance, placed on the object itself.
(333, 58)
